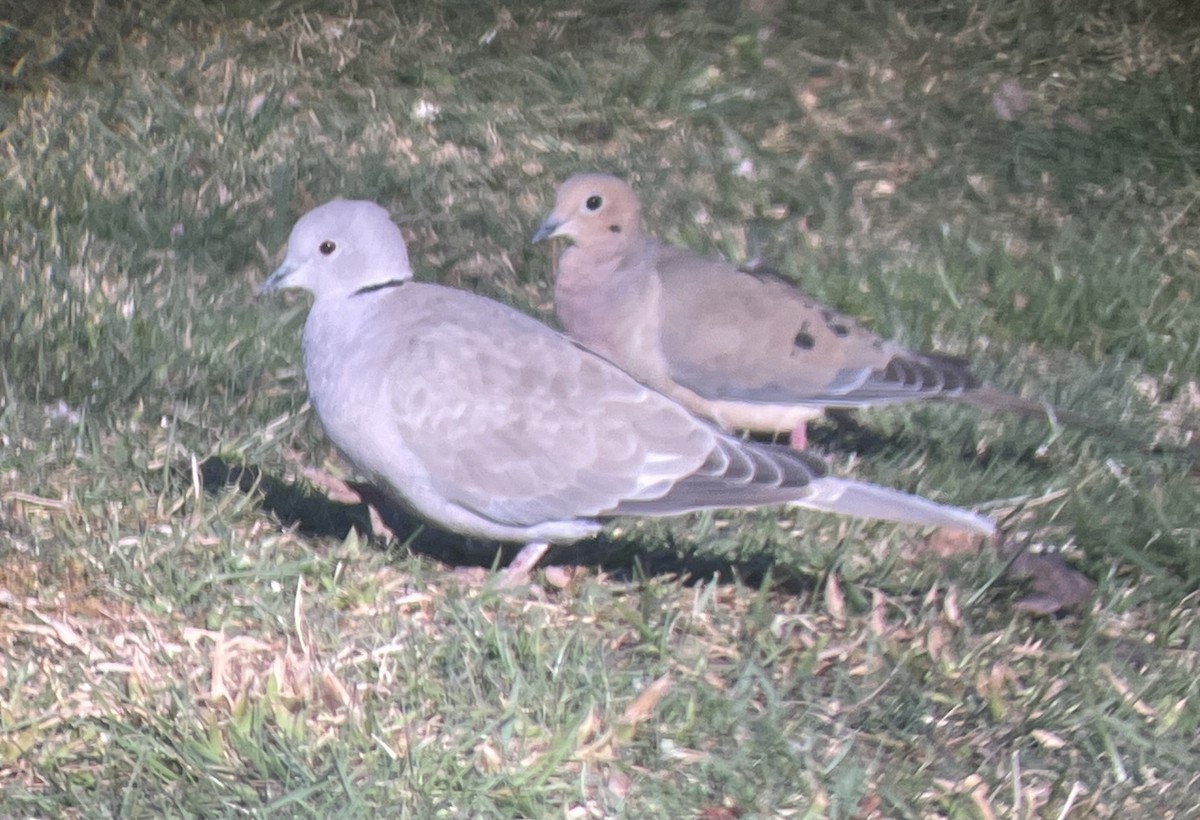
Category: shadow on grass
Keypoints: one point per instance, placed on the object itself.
(313, 513)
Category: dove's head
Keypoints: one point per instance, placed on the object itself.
(596, 211)
(341, 248)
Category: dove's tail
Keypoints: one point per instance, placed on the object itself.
(858, 498)
(989, 398)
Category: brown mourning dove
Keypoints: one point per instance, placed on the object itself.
(750, 351)
(560, 438)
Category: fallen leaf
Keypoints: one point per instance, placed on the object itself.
(644, 704)
(1056, 585)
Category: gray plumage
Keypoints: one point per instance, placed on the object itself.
(488, 423)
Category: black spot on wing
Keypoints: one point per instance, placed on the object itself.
(804, 340)
(835, 322)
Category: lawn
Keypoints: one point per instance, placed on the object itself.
(189, 626)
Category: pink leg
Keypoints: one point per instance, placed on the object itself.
(800, 436)
(517, 572)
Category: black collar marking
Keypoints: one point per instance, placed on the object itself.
(391, 283)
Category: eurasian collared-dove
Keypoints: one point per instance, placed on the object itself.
(488, 423)
(750, 351)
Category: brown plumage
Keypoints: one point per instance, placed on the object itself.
(746, 349)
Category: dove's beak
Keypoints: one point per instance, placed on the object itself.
(548, 229)
(277, 280)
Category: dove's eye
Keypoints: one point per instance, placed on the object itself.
(593, 202)
(327, 247)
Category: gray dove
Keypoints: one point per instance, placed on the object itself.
(750, 351)
(488, 423)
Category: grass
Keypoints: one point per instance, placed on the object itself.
(188, 628)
